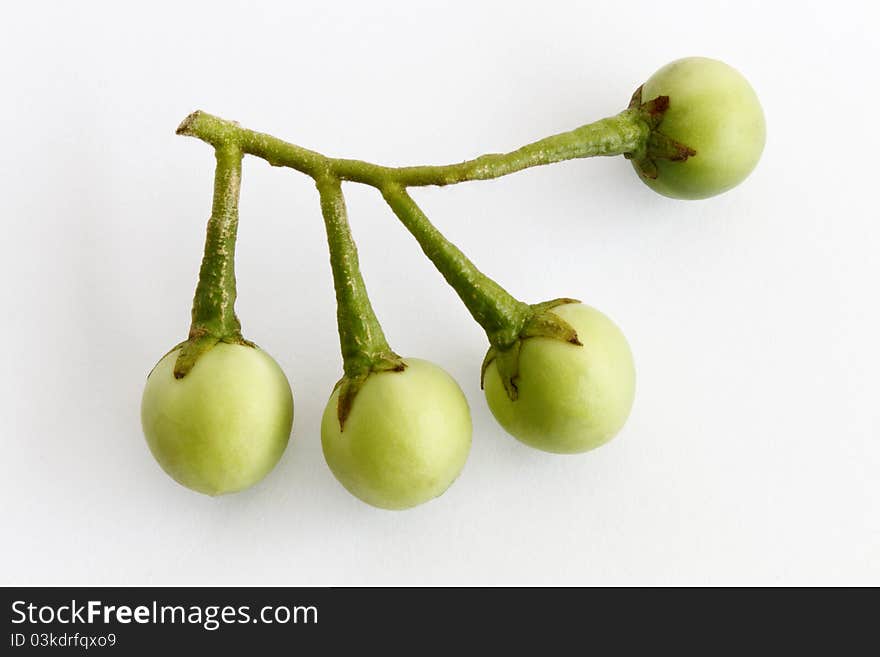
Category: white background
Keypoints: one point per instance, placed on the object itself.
(753, 452)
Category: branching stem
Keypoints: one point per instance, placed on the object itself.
(505, 319)
(626, 132)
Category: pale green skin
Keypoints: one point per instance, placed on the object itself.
(406, 439)
(713, 110)
(222, 427)
(570, 398)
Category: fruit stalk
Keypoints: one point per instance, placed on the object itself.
(500, 314)
(362, 341)
(213, 310)
(616, 135)
(506, 320)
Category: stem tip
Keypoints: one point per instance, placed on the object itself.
(185, 127)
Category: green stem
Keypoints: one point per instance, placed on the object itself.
(217, 131)
(624, 133)
(365, 350)
(506, 320)
(614, 135)
(500, 314)
(360, 335)
(213, 311)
